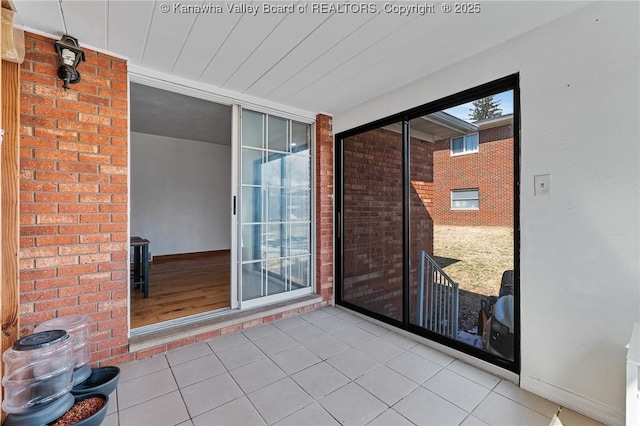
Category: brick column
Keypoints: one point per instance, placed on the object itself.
(73, 192)
(324, 207)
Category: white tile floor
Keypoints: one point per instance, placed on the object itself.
(325, 367)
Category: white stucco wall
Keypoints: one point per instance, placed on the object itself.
(580, 252)
(180, 194)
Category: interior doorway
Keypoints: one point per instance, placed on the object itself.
(180, 189)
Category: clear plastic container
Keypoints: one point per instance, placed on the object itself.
(38, 370)
(78, 327)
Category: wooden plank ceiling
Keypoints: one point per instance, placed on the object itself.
(317, 62)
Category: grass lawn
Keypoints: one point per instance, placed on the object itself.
(475, 258)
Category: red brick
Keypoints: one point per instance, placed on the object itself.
(37, 186)
(94, 119)
(77, 310)
(97, 238)
(94, 100)
(26, 163)
(231, 329)
(207, 336)
(56, 218)
(35, 318)
(78, 208)
(80, 271)
(102, 355)
(78, 229)
(47, 262)
(36, 296)
(55, 155)
(58, 113)
(56, 197)
(95, 198)
(182, 342)
(55, 134)
(78, 187)
(56, 176)
(95, 278)
(56, 240)
(37, 274)
(77, 167)
(94, 178)
(117, 360)
(37, 78)
(94, 218)
(33, 120)
(78, 249)
(77, 147)
(94, 258)
(146, 353)
(55, 304)
(93, 138)
(94, 158)
(77, 290)
(112, 324)
(37, 208)
(72, 105)
(94, 298)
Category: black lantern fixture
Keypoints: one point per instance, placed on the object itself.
(70, 56)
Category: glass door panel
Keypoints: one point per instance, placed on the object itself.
(275, 206)
(462, 179)
(372, 221)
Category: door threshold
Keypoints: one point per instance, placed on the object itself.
(178, 322)
(170, 331)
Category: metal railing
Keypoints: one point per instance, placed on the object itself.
(438, 298)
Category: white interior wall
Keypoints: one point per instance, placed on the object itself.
(579, 266)
(180, 194)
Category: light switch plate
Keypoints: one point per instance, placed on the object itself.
(542, 184)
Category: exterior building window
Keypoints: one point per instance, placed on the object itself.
(464, 144)
(465, 199)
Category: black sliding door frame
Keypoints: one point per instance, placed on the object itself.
(504, 84)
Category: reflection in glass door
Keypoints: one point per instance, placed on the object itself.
(372, 221)
(275, 207)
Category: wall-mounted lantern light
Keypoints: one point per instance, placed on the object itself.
(70, 56)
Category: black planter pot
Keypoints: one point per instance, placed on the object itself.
(102, 380)
(42, 415)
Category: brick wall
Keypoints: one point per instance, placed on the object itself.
(324, 206)
(373, 217)
(73, 191)
(490, 170)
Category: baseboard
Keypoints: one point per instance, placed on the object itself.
(189, 256)
(596, 410)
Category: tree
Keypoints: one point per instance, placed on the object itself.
(485, 108)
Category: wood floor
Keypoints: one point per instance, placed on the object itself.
(181, 285)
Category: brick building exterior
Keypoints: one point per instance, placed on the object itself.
(489, 170)
(74, 247)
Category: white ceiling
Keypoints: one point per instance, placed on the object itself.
(317, 62)
(159, 112)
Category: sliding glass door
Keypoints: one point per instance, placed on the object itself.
(427, 214)
(275, 208)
